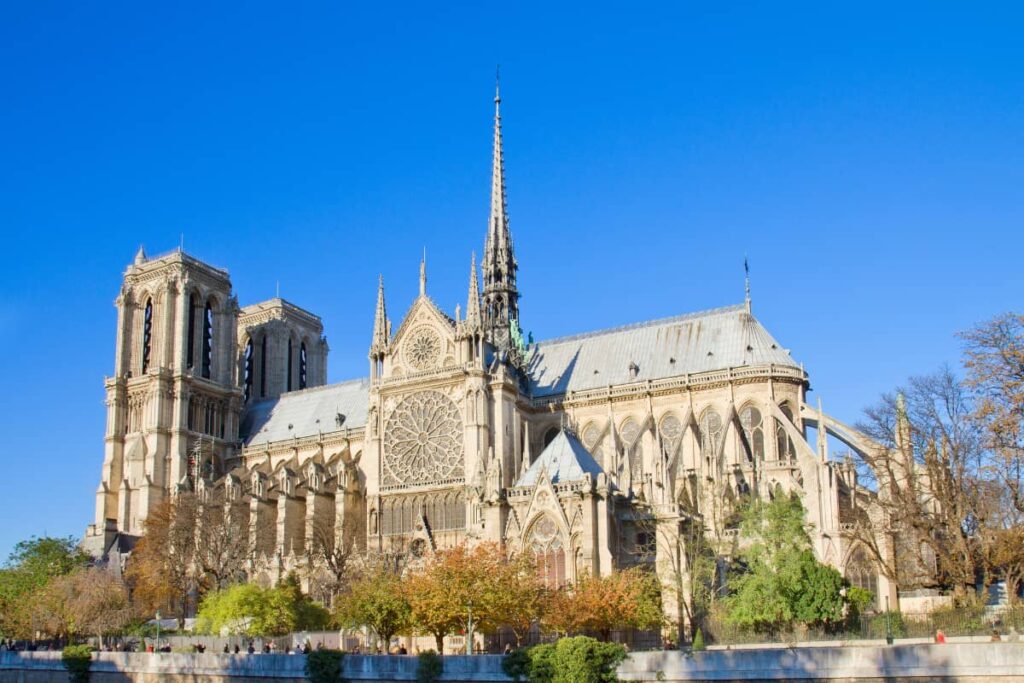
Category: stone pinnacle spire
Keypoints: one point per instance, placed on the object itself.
(380, 322)
(501, 298)
(473, 317)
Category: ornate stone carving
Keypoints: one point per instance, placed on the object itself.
(423, 441)
(423, 350)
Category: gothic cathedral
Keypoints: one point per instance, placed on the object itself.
(593, 451)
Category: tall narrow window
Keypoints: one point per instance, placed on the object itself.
(784, 444)
(302, 366)
(710, 436)
(193, 309)
(753, 433)
(263, 367)
(207, 340)
(631, 441)
(147, 334)
(288, 368)
(247, 370)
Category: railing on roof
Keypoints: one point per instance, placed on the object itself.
(677, 382)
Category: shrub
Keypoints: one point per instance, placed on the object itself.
(516, 664)
(542, 663)
(324, 666)
(77, 660)
(429, 668)
(698, 641)
(586, 660)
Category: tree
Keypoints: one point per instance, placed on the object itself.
(31, 565)
(601, 604)
(925, 465)
(376, 599)
(520, 595)
(332, 555)
(221, 539)
(780, 582)
(85, 602)
(162, 571)
(450, 585)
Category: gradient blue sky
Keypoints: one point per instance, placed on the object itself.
(868, 161)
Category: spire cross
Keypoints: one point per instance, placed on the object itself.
(746, 273)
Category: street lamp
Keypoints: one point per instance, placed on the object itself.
(888, 623)
(469, 631)
(156, 648)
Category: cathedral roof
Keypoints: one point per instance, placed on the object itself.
(716, 339)
(299, 414)
(564, 459)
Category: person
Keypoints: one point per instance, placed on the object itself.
(237, 649)
(355, 650)
(995, 636)
(227, 650)
(252, 648)
(940, 637)
(508, 648)
(272, 648)
(306, 649)
(403, 650)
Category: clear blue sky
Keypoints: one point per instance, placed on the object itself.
(869, 162)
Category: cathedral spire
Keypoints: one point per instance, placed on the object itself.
(501, 298)
(380, 322)
(473, 317)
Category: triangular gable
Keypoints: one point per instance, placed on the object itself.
(564, 459)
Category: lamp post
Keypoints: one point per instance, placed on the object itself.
(469, 631)
(156, 648)
(888, 623)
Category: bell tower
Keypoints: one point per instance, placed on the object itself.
(173, 404)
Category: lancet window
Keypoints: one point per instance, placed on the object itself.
(545, 542)
(302, 365)
(785, 448)
(147, 334)
(247, 369)
(860, 571)
(753, 433)
(710, 436)
(193, 311)
(633, 445)
(207, 340)
(671, 433)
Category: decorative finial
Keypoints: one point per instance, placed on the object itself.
(746, 272)
(423, 273)
(140, 256)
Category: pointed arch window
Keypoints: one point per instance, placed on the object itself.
(860, 571)
(634, 448)
(710, 435)
(546, 544)
(592, 440)
(671, 432)
(753, 432)
(247, 369)
(263, 367)
(207, 340)
(193, 311)
(147, 334)
(288, 366)
(784, 445)
(302, 365)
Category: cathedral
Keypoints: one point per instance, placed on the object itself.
(592, 451)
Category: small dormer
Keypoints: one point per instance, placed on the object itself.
(286, 481)
(259, 485)
(315, 476)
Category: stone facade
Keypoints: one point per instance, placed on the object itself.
(592, 451)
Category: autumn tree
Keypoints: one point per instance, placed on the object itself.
(221, 547)
(333, 555)
(519, 595)
(451, 585)
(162, 570)
(29, 568)
(601, 604)
(88, 601)
(376, 599)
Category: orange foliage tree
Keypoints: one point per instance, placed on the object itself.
(601, 604)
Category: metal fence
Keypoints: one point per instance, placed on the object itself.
(1004, 624)
(635, 640)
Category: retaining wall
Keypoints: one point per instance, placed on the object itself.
(968, 662)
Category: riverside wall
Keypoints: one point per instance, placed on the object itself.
(967, 662)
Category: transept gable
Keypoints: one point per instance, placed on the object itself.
(425, 340)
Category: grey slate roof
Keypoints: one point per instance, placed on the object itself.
(565, 459)
(307, 412)
(697, 342)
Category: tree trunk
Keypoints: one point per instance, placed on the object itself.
(439, 641)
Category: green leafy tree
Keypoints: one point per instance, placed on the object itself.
(29, 568)
(247, 609)
(376, 600)
(781, 582)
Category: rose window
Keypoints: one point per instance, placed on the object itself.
(424, 349)
(423, 441)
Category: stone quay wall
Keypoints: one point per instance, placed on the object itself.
(967, 662)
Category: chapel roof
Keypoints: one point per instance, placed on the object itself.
(565, 459)
(715, 339)
(298, 414)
